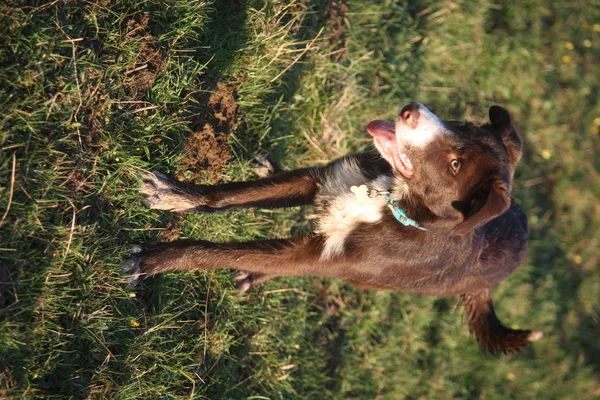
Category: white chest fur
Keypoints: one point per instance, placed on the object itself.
(344, 208)
(343, 215)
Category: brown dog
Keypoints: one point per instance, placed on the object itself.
(429, 213)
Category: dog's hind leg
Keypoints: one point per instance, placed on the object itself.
(260, 260)
(489, 331)
(287, 189)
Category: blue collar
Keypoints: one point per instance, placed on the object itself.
(400, 214)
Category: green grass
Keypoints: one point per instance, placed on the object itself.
(93, 93)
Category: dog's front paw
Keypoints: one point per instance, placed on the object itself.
(163, 193)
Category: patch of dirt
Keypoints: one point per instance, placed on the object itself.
(138, 79)
(207, 149)
(206, 153)
(335, 20)
(75, 181)
(149, 62)
(97, 107)
(142, 80)
(172, 231)
(224, 105)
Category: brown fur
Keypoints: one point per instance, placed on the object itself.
(475, 234)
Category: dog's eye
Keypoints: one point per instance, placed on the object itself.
(455, 164)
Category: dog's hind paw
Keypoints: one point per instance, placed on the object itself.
(163, 193)
(247, 280)
(135, 248)
(264, 166)
(534, 336)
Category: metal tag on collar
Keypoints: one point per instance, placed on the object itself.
(362, 195)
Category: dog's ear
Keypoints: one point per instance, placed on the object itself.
(502, 125)
(489, 200)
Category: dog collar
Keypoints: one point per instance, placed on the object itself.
(365, 196)
(400, 214)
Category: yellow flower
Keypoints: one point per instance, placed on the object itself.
(587, 43)
(596, 27)
(134, 323)
(597, 121)
(566, 59)
(569, 45)
(546, 154)
(510, 376)
(577, 259)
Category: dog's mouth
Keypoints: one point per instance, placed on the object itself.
(385, 140)
(403, 165)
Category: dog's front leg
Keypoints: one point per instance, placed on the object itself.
(260, 259)
(287, 189)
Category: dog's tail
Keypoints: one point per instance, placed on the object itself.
(489, 331)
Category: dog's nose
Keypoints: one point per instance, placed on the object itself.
(410, 114)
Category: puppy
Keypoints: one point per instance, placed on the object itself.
(429, 212)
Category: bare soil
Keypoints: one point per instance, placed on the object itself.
(149, 62)
(207, 150)
(172, 231)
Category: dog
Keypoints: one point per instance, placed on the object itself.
(429, 212)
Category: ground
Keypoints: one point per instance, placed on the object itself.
(92, 94)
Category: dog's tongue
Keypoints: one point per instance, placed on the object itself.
(384, 133)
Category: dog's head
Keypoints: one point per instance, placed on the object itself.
(462, 173)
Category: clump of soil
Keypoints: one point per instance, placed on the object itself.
(224, 105)
(75, 181)
(138, 79)
(335, 16)
(172, 231)
(149, 61)
(207, 150)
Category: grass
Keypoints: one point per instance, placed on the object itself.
(93, 93)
